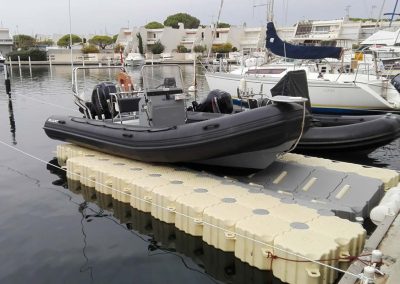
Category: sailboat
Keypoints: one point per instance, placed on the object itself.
(2, 59)
(345, 93)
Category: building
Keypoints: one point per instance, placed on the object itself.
(240, 37)
(342, 32)
(6, 41)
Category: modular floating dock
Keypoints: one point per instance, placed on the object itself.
(300, 219)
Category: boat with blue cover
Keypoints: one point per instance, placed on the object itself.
(338, 91)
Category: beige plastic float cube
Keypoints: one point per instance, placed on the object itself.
(228, 189)
(293, 212)
(89, 169)
(201, 181)
(105, 174)
(163, 205)
(255, 238)
(190, 208)
(142, 188)
(220, 221)
(122, 182)
(290, 266)
(258, 201)
(349, 236)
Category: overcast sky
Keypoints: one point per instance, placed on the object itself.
(108, 16)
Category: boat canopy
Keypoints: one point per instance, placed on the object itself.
(293, 84)
(284, 49)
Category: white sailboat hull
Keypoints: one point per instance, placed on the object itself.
(324, 93)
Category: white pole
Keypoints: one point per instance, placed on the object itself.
(215, 30)
(10, 61)
(30, 66)
(19, 66)
(51, 69)
(70, 38)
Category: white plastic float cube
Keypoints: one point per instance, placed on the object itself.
(292, 212)
(122, 182)
(349, 236)
(142, 188)
(258, 200)
(255, 238)
(228, 188)
(104, 175)
(220, 221)
(202, 180)
(89, 170)
(163, 205)
(190, 208)
(294, 248)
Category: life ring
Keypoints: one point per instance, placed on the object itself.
(125, 81)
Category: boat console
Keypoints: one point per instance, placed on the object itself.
(163, 102)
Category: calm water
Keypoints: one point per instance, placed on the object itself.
(52, 233)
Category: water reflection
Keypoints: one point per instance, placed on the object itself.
(162, 238)
(12, 121)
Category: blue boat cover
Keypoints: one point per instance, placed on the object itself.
(284, 49)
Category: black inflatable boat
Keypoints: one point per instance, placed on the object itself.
(336, 132)
(156, 127)
(350, 133)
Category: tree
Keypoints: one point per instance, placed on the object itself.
(91, 48)
(118, 48)
(64, 40)
(101, 41)
(154, 25)
(182, 49)
(188, 21)
(23, 41)
(199, 48)
(34, 54)
(114, 38)
(222, 48)
(140, 43)
(223, 25)
(157, 48)
(46, 42)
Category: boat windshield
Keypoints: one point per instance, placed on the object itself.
(159, 77)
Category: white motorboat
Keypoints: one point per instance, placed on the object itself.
(2, 59)
(330, 92)
(134, 59)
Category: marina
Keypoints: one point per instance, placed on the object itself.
(18, 120)
(187, 152)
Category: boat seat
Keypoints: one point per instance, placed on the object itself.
(128, 104)
(253, 103)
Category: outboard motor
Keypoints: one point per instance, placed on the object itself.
(101, 97)
(217, 101)
(396, 82)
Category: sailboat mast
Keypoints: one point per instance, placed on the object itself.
(270, 11)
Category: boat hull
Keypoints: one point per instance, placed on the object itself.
(325, 96)
(247, 132)
(350, 133)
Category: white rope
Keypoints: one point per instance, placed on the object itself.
(358, 276)
(45, 102)
(303, 122)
